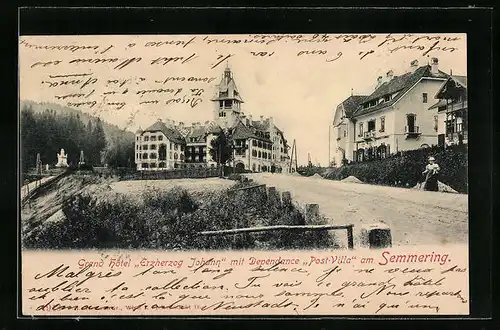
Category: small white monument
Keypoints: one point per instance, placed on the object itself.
(82, 158)
(62, 159)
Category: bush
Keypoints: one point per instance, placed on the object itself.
(171, 220)
(405, 168)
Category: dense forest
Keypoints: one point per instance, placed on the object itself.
(49, 130)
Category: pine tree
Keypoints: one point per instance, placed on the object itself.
(98, 141)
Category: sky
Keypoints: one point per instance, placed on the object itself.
(299, 84)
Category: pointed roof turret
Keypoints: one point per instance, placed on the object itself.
(227, 90)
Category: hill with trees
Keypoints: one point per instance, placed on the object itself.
(46, 128)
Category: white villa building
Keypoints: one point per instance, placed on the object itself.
(394, 117)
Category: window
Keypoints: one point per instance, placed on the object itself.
(153, 138)
(360, 129)
(137, 138)
(260, 154)
(161, 165)
(424, 97)
(254, 143)
(153, 165)
(153, 147)
(254, 153)
(411, 121)
(371, 125)
(345, 133)
(152, 155)
(387, 98)
(146, 138)
(228, 103)
(162, 152)
(144, 165)
(382, 124)
(144, 156)
(260, 144)
(222, 114)
(436, 123)
(160, 137)
(145, 147)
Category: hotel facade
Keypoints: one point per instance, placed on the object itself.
(258, 145)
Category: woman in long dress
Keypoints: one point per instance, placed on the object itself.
(431, 175)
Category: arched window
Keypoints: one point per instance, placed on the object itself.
(161, 165)
(254, 153)
(176, 156)
(260, 154)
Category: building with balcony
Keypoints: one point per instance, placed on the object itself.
(395, 116)
(452, 111)
(258, 145)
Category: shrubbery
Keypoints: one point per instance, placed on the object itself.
(404, 169)
(172, 220)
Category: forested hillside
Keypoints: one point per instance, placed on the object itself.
(47, 128)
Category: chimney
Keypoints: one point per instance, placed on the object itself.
(434, 65)
(250, 119)
(390, 75)
(181, 124)
(159, 120)
(207, 122)
(271, 121)
(414, 65)
(379, 81)
(261, 119)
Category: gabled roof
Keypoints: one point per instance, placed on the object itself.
(461, 80)
(172, 134)
(241, 131)
(227, 85)
(351, 104)
(198, 133)
(400, 85)
(452, 83)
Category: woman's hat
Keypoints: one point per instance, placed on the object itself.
(432, 158)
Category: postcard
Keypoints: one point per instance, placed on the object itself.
(243, 175)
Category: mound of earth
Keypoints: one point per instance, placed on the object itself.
(351, 179)
(445, 188)
(441, 187)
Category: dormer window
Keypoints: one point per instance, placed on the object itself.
(387, 98)
(228, 103)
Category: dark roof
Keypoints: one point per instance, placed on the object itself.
(400, 85)
(440, 103)
(241, 131)
(351, 104)
(200, 132)
(451, 84)
(461, 79)
(172, 134)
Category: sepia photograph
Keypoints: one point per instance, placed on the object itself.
(257, 150)
(244, 174)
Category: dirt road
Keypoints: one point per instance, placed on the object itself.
(415, 217)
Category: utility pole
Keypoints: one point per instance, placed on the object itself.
(329, 144)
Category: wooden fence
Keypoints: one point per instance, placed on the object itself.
(349, 228)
